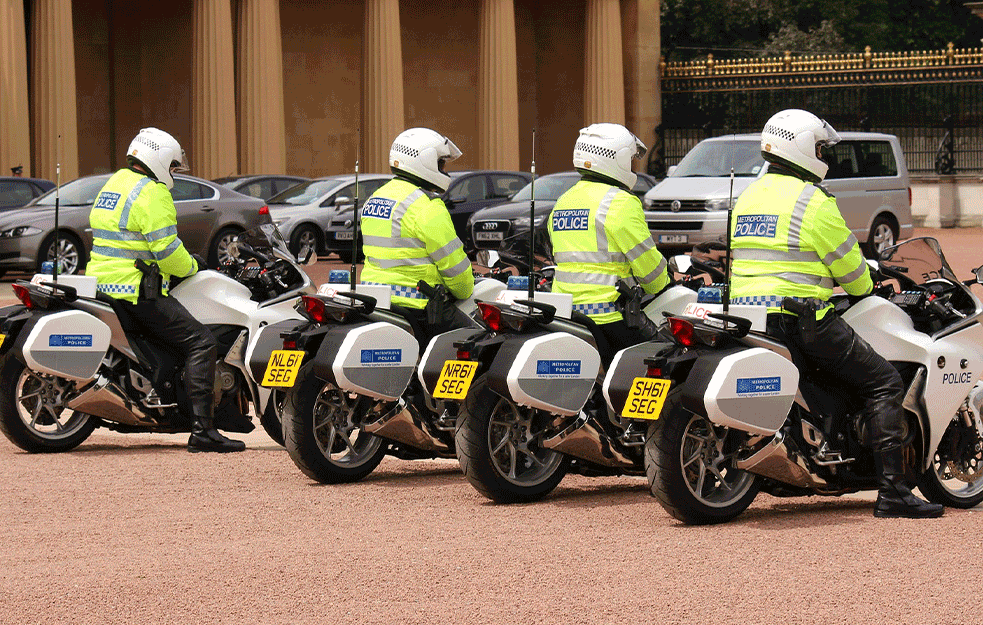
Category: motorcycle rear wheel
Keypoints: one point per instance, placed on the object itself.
(955, 476)
(688, 468)
(498, 448)
(33, 415)
(323, 434)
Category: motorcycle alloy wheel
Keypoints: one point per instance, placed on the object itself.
(689, 463)
(955, 476)
(33, 415)
(499, 448)
(322, 428)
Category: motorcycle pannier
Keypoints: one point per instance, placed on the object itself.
(554, 372)
(69, 344)
(373, 359)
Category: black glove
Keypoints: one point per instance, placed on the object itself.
(201, 262)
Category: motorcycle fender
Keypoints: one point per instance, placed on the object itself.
(627, 365)
(373, 359)
(12, 321)
(69, 344)
(440, 350)
(750, 390)
(266, 341)
(552, 371)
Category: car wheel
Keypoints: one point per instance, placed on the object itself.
(70, 253)
(883, 234)
(305, 236)
(219, 252)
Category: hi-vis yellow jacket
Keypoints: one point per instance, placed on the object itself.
(788, 239)
(599, 236)
(133, 218)
(408, 237)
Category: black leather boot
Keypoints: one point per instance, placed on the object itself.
(894, 498)
(204, 437)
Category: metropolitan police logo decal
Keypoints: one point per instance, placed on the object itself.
(756, 226)
(571, 219)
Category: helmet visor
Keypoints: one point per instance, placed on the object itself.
(640, 148)
(181, 165)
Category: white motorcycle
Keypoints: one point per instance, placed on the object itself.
(729, 414)
(71, 364)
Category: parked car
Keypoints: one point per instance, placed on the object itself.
(318, 213)
(867, 175)
(471, 191)
(489, 227)
(209, 218)
(16, 192)
(262, 187)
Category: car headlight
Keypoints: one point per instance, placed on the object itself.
(717, 204)
(523, 222)
(19, 231)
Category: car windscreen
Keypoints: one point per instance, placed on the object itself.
(715, 159)
(81, 192)
(304, 193)
(547, 188)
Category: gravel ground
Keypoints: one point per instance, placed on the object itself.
(132, 528)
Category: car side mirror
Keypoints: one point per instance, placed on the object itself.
(457, 199)
(341, 200)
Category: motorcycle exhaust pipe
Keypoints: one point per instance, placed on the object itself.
(106, 400)
(404, 425)
(585, 440)
(780, 460)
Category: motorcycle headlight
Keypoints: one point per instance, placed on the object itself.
(717, 204)
(19, 231)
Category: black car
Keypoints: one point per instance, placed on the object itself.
(491, 226)
(262, 187)
(16, 192)
(471, 191)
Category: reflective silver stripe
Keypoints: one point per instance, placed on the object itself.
(746, 253)
(111, 235)
(636, 252)
(447, 250)
(389, 263)
(798, 213)
(404, 242)
(589, 257)
(396, 216)
(167, 251)
(853, 275)
(575, 277)
(803, 278)
(124, 217)
(117, 253)
(602, 214)
(457, 269)
(653, 275)
(840, 252)
(161, 233)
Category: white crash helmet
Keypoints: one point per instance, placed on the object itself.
(608, 150)
(421, 153)
(159, 152)
(796, 137)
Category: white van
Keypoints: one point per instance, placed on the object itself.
(867, 175)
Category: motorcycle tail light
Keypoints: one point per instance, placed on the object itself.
(24, 295)
(463, 354)
(265, 210)
(653, 372)
(314, 308)
(491, 315)
(682, 330)
(289, 344)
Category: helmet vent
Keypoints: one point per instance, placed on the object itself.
(405, 149)
(779, 132)
(596, 150)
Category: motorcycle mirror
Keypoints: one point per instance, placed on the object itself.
(233, 249)
(680, 263)
(307, 256)
(979, 274)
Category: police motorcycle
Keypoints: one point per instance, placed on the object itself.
(346, 373)
(730, 415)
(69, 363)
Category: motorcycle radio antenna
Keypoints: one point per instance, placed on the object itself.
(532, 218)
(730, 213)
(355, 219)
(54, 265)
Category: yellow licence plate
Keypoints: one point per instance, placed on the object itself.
(282, 368)
(3, 337)
(646, 398)
(455, 379)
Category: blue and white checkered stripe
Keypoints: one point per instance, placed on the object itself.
(596, 309)
(773, 301)
(120, 289)
(402, 291)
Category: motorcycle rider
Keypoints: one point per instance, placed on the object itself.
(408, 236)
(135, 250)
(599, 235)
(789, 239)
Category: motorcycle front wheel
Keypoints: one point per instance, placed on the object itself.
(322, 431)
(689, 463)
(499, 448)
(955, 476)
(33, 415)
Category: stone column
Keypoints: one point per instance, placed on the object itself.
(262, 134)
(643, 92)
(53, 90)
(15, 134)
(604, 80)
(213, 109)
(498, 89)
(382, 103)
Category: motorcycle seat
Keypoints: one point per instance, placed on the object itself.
(600, 341)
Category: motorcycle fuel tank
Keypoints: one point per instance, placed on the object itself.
(373, 359)
(69, 344)
(554, 372)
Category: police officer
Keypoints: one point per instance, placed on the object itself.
(789, 240)
(408, 236)
(134, 221)
(599, 234)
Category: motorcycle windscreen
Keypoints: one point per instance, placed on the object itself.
(69, 344)
(440, 350)
(627, 365)
(373, 359)
(751, 390)
(553, 371)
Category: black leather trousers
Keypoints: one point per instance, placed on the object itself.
(841, 354)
